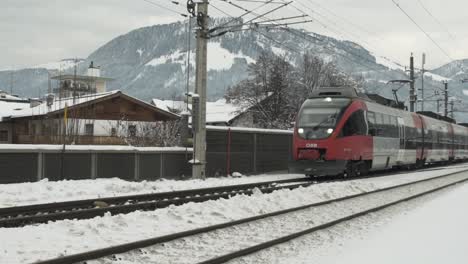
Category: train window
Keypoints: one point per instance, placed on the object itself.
(371, 118)
(379, 119)
(355, 125)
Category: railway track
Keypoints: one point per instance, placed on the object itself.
(89, 208)
(231, 240)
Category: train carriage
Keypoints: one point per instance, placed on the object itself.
(339, 131)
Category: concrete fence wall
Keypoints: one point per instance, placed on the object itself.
(248, 151)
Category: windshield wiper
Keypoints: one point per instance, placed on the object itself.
(326, 119)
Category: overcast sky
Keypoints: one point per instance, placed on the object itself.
(36, 32)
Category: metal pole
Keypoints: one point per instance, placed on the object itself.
(451, 109)
(412, 95)
(199, 148)
(446, 98)
(422, 81)
(438, 106)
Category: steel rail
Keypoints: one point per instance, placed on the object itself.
(122, 248)
(88, 208)
(87, 203)
(144, 206)
(280, 240)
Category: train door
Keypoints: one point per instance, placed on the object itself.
(402, 136)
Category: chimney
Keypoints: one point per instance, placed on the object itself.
(50, 99)
(33, 102)
(94, 71)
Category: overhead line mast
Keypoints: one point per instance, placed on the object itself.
(200, 11)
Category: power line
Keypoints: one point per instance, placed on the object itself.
(300, 36)
(422, 30)
(166, 8)
(246, 12)
(261, 33)
(436, 20)
(345, 31)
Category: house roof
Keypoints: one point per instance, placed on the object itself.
(58, 105)
(80, 77)
(8, 108)
(216, 112)
(4, 96)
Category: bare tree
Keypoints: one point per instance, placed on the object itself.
(275, 90)
(148, 134)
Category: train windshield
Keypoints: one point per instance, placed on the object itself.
(319, 116)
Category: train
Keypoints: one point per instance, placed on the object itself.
(339, 131)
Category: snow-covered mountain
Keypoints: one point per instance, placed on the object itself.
(151, 62)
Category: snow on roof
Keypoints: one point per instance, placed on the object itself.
(169, 105)
(4, 95)
(216, 112)
(250, 130)
(5, 148)
(11, 108)
(42, 108)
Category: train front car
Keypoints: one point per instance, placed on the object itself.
(331, 136)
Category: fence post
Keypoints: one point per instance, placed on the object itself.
(40, 166)
(136, 167)
(255, 153)
(94, 165)
(228, 153)
(161, 165)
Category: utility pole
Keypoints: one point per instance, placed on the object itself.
(451, 109)
(422, 80)
(445, 98)
(199, 135)
(438, 105)
(412, 95)
(11, 82)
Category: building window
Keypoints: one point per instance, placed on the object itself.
(132, 130)
(3, 135)
(89, 129)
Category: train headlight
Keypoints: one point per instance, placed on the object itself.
(328, 99)
(300, 131)
(330, 130)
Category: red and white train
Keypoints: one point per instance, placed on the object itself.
(339, 131)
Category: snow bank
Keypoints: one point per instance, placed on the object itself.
(45, 191)
(45, 147)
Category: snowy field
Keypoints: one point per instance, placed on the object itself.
(30, 243)
(55, 191)
(430, 230)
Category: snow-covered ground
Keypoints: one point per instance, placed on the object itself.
(27, 244)
(55, 191)
(434, 233)
(430, 230)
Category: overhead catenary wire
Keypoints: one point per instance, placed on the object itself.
(436, 20)
(423, 31)
(300, 35)
(246, 13)
(166, 8)
(340, 31)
